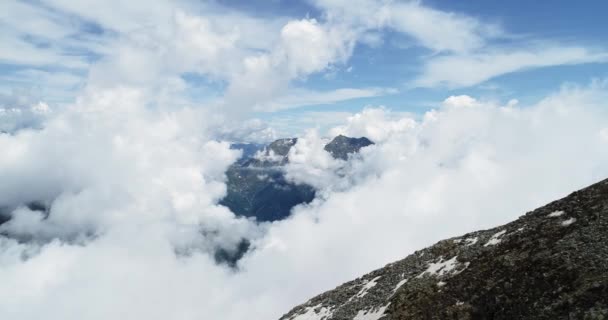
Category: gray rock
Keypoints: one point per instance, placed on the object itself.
(281, 147)
(341, 146)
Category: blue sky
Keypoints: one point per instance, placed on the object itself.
(406, 56)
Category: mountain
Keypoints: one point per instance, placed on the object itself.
(551, 263)
(263, 192)
(257, 186)
(341, 146)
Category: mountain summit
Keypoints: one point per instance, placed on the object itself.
(341, 146)
(551, 263)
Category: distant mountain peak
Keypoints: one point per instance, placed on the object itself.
(341, 146)
(281, 147)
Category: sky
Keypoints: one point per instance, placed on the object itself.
(319, 59)
(118, 117)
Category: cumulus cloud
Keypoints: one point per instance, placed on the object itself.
(305, 47)
(310, 164)
(79, 157)
(377, 124)
(133, 217)
(308, 46)
(461, 101)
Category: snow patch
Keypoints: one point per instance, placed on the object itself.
(555, 214)
(568, 222)
(470, 241)
(373, 314)
(366, 287)
(322, 313)
(402, 282)
(440, 268)
(495, 238)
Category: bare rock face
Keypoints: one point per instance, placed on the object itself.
(341, 146)
(282, 146)
(551, 263)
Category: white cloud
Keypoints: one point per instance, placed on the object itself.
(377, 124)
(426, 25)
(118, 15)
(468, 54)
(305, 47)
(146, 181)
(26, 18)
(163, 41)
(31, 35)
(134, 142)
(252, 130)
(429, 26)
(308, 47)
(152, 43)
(17, 51)
(472, 69)
(461, 101)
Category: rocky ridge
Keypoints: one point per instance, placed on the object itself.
(551, 263)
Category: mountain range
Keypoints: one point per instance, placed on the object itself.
(256, 183)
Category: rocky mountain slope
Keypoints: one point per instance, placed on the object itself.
(257, 186)
(551, 263)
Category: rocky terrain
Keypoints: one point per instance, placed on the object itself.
(551, 263)
(257, 186)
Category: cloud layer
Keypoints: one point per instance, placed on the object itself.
(133, 216)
